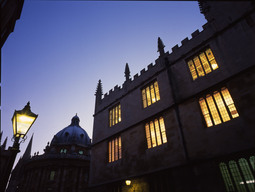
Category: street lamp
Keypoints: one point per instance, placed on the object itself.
(128, 182)
(22, 121)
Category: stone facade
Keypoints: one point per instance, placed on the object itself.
(190, 159)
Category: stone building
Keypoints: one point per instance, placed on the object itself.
(64, 167)
(186, 123)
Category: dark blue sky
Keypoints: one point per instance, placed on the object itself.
(60, 49)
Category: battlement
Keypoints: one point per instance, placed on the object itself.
(118, 90)
(186, 40)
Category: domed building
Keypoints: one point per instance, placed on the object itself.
(64, 166)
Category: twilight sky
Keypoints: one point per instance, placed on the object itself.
(60, 49)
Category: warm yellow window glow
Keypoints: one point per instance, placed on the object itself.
(119, 114)
(150, 94)
(205, 63)
(120, 155)
(205, 112)
(153, 136)
(112, 142)
(110, 151)
(230, 103)
(221, 106)
(153, 96)
(218, 104)
(115, 115)
(163, 129)
(211, 59)
(114, 149)
(198, 65)
(158, 135)
(155, 133)
(192, 69)
(144, 98)
(213, 110)
(148, 135)
(157, 90)
(202, 63)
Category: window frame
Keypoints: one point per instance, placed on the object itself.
(161, 132)
(114, 152)
(197, 54)
(143, 92)
(211, 94)
(112, 115)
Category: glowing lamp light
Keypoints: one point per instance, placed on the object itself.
(22, 120)
(128, 182)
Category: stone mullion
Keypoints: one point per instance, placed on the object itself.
(38, 179)
(41, 181)
(57, 177)
(78, 179)
(61, 183)
(26, 186)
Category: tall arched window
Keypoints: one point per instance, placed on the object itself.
(226, 177)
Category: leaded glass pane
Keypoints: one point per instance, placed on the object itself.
(147, 131)
(226, 177)
(120, 149)
(205, 63)
(237, 176)
(144, 98)
(205, 112)
(163, 129)
(192, 69)
(157, 90)
(148, 96)
(249, 179)
(199, 68)
(153, 136)
(213, 110)
(158, 133)
(211, 58)
(230, 103)
(221, 106)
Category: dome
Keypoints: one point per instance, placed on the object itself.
(73, 134)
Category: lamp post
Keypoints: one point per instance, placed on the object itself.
(22, 121)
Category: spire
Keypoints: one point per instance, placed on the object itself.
(127, 72)
(98, 93)
(4, 144)
(161, 47)
(99, 89)
(27, 153)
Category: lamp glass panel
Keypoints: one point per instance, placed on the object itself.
(23, 123)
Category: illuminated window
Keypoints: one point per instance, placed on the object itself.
(115, 115)
(150, 94)
(202, 64)
(52, 175)
(63, 151)
(238, 175)
(114, 149)
(218, 107)
(155, 132)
